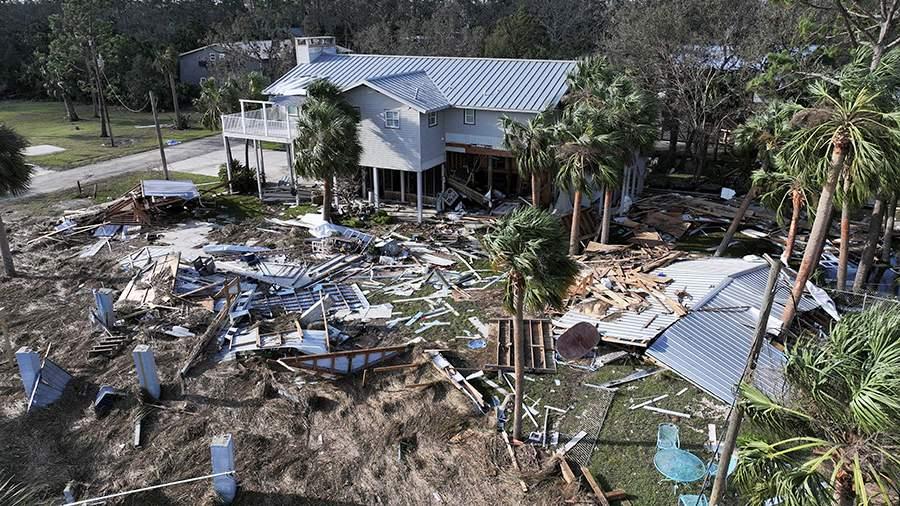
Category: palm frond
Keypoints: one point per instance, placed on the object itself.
(530, 244)
(15, 173)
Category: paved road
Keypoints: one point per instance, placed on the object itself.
(201, 156)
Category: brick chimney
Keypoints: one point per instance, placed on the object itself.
(308, 49)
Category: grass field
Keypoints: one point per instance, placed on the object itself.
(45, 123)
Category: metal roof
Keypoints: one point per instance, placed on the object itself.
(477, 83)
(709, 346)
(414, 89)
(696, 277)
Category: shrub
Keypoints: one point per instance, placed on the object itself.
(243, 178)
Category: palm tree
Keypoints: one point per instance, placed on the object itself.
(762, 135)
(15, 176)
(528, 246)
(166, 61)
(614, 103)
(583, 155)
(834, 440)
(844, 131)
(327, 143)
(214, 101)
(776, 188)
(532, 146)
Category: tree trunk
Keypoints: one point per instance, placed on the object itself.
(700, 155)
(535, 190)
(819, 231)
(796, 204)
(175, 100)
(326, 199)
(8, 266)
(891, 213)
(71, 113)
(575, 229)
(844, 494)
(519, 357)
(95, 104)
(736, 221)
(844, 254)
(604, 226)
(868, 255)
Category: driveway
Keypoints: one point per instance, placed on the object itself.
(201, 156)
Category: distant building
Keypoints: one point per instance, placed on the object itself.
(225, 59)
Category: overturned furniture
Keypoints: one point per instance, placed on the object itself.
(538, 344)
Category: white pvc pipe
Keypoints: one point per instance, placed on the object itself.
(145, 489)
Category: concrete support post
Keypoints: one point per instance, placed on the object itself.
(419, 188)
(29, 369)
(443, 177)
(227, 162)
(145, 366)
(403, 186)
(376, 186)
(103, 307)
(222, 452)
(262, 160)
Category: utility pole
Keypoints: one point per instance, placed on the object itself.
(734, 422)
(162, 149)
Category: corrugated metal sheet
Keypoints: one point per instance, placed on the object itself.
(415, 89)
(477, 83)
(710, 345)
(162, 188)
(696, 277)
(53, 383)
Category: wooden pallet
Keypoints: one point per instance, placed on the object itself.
(107, 345)
(539, 348)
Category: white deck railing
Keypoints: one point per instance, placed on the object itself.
(269, 121)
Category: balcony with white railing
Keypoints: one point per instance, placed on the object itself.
(259, 120)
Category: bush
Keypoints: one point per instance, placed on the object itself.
(243, 179)
(381, 217)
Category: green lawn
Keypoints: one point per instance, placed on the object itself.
(45, 123)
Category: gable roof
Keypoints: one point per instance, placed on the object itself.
(414, 89)
(478, 83)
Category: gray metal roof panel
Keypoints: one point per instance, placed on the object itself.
(481, 83)
(414, 89)
(710, 348)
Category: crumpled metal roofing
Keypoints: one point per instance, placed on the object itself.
(162, 188)
(709, 346)
(414, 89)
(478, 83)
(696, 277)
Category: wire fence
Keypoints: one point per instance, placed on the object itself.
(855, 302)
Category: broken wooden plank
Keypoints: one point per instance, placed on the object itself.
(598, 491)
(666, 412)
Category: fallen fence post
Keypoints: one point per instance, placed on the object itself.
(103, 303)
(145, 366)
(222, 450)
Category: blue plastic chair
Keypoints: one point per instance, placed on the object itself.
(667, 437)
(732, 465)
(693, 500)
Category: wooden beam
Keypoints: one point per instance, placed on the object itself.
(598, 491)
(480, 150)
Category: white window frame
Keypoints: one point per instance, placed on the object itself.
(211, 57)
(389, 122)
(432, 119)
(466, 120)
(203, 80)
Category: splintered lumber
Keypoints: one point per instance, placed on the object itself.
(647, 403)
(539, 346)
(567, 472)
(598, 491)
(636, 375)
(459, 381)
(512, 456)
(666, 411)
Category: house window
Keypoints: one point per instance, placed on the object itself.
(202, 80)
(391, 119)
(358, 112)
(212, 57)
(469, 116)
(432, 119)
(221, 56)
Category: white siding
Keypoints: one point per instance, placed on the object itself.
(388, 148)
(485, 131)
(434, 151)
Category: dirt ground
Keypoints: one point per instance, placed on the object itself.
(298, 439)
